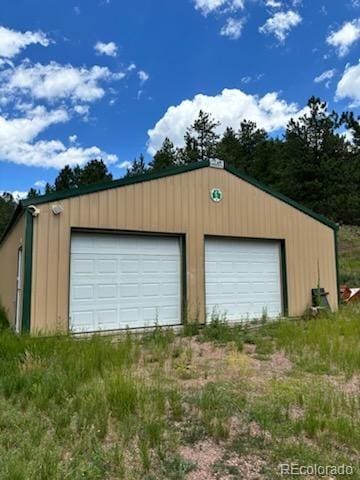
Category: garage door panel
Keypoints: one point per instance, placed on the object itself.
(83, 265)
(243, 278)
(106, 292)
(124, 281)
(83, 292)
(106, 266)
(83, 321)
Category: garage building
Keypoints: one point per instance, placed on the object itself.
(179, 245)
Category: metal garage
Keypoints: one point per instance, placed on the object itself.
(162, 248)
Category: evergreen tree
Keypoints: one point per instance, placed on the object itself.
(204, 128)
(65, 179)
(200, 139)
(32, 193)
(315, 159)
(228, 148)
(94, 171)
(250, 138)
(138, 167)
(6, 210)
(190, 152)
(49, 188)
(165, 157)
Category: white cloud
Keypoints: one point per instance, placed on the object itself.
(246, 79)
(232, 28)
(82, 110)
(349, 85)
(143, 76)
(273, 4)
(16, 194)
(110, 49)
(40, 183)
(131, 67)
(77, 10)
(55, 81)
(345, 37)
(327, 75)
(281, 24)
(209, 6)
(19, 144)
(125, 164)
(73, 138)
(12, 42)
(249, 78)
(230, 107)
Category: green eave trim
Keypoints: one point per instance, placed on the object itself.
(28, 251)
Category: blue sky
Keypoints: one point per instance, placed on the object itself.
(111, 79)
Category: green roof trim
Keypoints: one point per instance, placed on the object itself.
(167, 172)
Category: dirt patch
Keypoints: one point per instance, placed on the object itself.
(349, 387)
(249, 466)
(204, 454)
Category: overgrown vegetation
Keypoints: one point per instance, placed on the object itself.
(4, 323)
(130, 407)
(349, 255)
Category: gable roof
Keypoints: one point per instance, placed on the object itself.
(98, 187)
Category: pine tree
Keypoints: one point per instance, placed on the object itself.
(228, 149)
(165, 157)
(138, 167)
(65, 179)
(204, 129)
(49, 188)
(94, 171)
(6, 210)
(200, 139)
(315, 159)
(190, 152)
(32, 193)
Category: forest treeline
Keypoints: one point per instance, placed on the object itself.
(316, 161)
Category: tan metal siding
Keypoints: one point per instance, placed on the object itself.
(181, 204)
(9, 266)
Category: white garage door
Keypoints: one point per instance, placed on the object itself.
(120, 281)
(243, 278)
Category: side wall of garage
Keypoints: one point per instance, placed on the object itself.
(9, 267)
(181, 204)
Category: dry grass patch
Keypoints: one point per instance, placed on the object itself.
(226, 403)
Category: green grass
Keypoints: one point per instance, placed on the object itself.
(103, 408)
(4, 323)
(349, 255)
(325, 345)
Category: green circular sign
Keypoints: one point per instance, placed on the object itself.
(216, 195)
